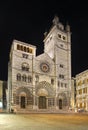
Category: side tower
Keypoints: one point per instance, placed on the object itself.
(20, 76)
(57, 44)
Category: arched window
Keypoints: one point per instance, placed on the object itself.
(21, 48)
(52, 81)
(27, 49)
(29, 79)
(37, 78)
(24, 48)
(18, 47)
(19, 77)
(24, 78)
(25, 66)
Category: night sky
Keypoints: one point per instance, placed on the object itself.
(27, 21)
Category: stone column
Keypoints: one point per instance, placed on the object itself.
(56, 105)
(46, 102)
(34, 102)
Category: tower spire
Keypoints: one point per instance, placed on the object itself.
(67, 27)
(55, 20)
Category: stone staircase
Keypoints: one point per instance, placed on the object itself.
(41, 111)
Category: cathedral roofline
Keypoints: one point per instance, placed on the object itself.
(83, 72)
(42, 55)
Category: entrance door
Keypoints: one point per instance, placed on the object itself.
(22, 102)
(60, 103)
(42, 102)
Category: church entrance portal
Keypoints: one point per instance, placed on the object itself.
(22, 102)
(60, 103)
(42, 102)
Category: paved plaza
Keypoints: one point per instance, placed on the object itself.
(43, 122)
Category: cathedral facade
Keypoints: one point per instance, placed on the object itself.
(41, 82)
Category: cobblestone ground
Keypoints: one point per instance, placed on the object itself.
(43, 122)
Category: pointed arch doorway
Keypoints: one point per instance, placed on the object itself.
(60, 103)
(42, 102)
(23, 102)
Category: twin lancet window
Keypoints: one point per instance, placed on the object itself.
(60, 36)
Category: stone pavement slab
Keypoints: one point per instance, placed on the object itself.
(43, 122)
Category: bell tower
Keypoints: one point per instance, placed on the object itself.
(56, 36)
(57, 44)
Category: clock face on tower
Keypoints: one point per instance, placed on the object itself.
(44, 67)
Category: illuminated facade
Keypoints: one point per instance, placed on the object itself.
(82, 90)
(41, 82)
(73, 93)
